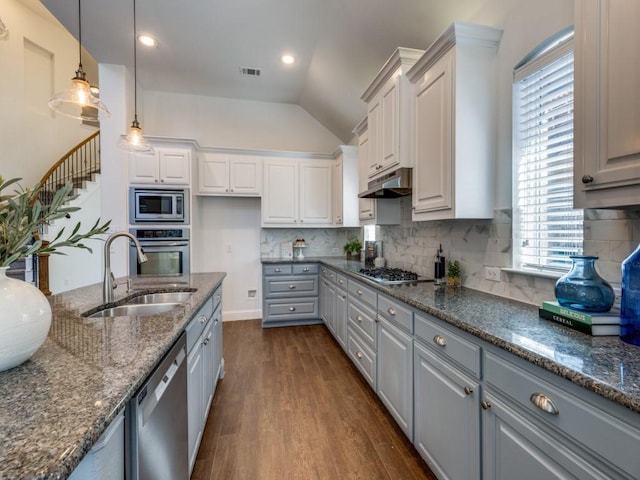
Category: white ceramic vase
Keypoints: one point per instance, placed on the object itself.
(25, 318)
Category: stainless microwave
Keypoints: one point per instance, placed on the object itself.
(154, 205)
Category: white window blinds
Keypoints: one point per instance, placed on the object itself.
(547, 230)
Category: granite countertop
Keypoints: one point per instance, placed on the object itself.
(56, 405)
(604, 365)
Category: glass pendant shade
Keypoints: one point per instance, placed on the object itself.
(134, 141)
(78, 102)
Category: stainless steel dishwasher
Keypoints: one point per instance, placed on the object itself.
(157, 421)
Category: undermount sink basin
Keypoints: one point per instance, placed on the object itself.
(137, 309)
(163, 297)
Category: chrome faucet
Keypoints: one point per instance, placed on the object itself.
(109, 284)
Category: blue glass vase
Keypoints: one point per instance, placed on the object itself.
(583, 289)
(630, 302)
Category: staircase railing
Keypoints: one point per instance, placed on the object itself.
(77, 166)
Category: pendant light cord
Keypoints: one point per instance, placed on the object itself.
(135, 67)
(79, 36)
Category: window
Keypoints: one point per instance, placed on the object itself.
(546, 228)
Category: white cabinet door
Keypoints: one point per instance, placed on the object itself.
(195, 389)
(366, 206)
(213, 174)
(432, 168)
(395, 374)
(144, 168)
(607, 144)
(338, 200)
(245, 176)
(175, 166)
(280, 199)
(315, 192)
(447, 417)
(374, 120)
(390, 124)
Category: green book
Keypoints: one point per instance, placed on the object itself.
(590, 318)
(595, 330)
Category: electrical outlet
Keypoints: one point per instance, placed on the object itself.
(251, 293)
(492, 273)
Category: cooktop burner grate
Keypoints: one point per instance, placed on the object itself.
(390, 275)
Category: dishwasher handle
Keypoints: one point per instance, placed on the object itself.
(159, 382)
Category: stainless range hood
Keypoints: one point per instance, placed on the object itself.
(391, 185)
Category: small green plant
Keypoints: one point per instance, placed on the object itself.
(353, 246)
(453, 273)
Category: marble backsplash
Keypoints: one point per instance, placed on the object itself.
(320, 242)
(609, 234)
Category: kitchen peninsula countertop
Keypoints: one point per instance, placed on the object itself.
(604, 365)
(55, 406)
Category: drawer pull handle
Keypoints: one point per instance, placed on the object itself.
(292, 309)
(468, 390)
(544, 403)
(359, 354)
(203, 319)
(292, 287)
(359, 318)
(485, 405)
(340, 282)
(305, 269)
(359, 292)
(440, 340)
(278, 270)
(391, 311)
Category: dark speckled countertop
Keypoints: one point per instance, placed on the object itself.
(604, 365)
(56, 405)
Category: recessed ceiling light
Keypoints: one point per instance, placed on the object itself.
(288, 59)
(147, 40)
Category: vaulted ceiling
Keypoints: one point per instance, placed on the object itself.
(339, 45)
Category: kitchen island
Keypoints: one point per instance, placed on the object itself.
(55, 406)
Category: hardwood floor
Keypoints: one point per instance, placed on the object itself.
(292, 406)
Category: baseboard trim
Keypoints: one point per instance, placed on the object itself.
(241, 315)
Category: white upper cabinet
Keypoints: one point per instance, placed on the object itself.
(229, 175)
(297, 192)
(607, 104)
(454, 99)
(165, 166)
(388, 100)
(345, 187)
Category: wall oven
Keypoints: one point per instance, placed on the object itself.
(167, 250)
(155, 205)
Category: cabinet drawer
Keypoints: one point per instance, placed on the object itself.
(305, 269)
(362, 356)
(291, 286)
(592, 426)
(291, 309)
(198, 322)
(396, 313)
(447, 343)
(217, 298)
(279, 269)
(362, 293)
(341, 281)
(364, 320)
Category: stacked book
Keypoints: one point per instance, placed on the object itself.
(592, 323)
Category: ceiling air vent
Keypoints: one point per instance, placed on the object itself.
(250, 71)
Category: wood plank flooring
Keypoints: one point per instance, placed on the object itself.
(292, 406)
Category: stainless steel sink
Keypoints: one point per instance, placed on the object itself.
(162, 297)
(133, 310)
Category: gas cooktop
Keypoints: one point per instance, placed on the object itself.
(391, 276)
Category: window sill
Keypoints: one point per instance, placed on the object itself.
(533, 273)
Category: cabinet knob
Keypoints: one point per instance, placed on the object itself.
(232, 190)
(226, 189)
(340, 282)
(468, 390)
(359, 292)
(359, 318)
(371, 214)
(305, 269)
(586, 179)
(544, 403)
(156, 180)
(278, 270)
(440, 340)
(162, 180)
(359, 354)
(203, 319)
(292, 287)
(391, 311)
(292, 309)
(301, 221)
(485, 405)
(206, 341)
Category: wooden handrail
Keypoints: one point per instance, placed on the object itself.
(55, 166)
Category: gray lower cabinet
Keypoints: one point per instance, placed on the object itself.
(362, 332)
(341, 312)
(291, 294)
(446, 417)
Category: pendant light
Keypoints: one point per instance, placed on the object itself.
(134, 141)
(78, 102)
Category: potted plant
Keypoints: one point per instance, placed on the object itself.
(352, 248)
(25, 313)
(453, 273)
